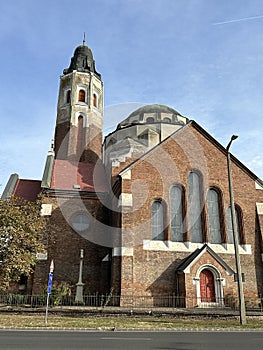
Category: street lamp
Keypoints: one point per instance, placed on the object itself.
(242, 308)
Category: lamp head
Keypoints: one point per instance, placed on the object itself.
(234, 137)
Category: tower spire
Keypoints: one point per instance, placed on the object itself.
(84, 39)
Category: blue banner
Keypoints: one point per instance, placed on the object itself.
(50, 279)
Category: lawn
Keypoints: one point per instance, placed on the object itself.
(123, 322)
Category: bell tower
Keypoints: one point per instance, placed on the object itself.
(78, 133)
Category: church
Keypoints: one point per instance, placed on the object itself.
(144, 212)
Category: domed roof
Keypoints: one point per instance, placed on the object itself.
(153, 113)
(82, 61)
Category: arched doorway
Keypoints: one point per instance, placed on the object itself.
(207, 286)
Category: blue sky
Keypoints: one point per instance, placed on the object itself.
(202, 57)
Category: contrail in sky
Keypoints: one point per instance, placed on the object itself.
(238, 20)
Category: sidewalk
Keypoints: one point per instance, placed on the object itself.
(109, 310)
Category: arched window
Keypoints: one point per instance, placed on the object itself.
(68, 96)
(195, 208)
(176, 212)
(80, 136)
(94, 100)
(82, 96)
(157, 220)
(150, 120)
(167, 120)
(230, 226)
(214, 216)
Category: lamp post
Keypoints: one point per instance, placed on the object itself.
(242, 308)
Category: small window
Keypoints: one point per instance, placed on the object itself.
(167, 120)
(80, 222)
(68, 96)
(150, 120)
(82, 96)
(94, 100)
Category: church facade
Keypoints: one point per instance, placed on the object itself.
(147, 209)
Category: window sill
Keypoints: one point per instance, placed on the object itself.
(191, 247)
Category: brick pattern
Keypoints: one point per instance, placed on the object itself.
(64, 246)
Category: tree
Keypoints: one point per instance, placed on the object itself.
(21, 238)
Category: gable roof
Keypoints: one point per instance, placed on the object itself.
(27, 189)
(210, 138)
(188, 262)
(22, 188)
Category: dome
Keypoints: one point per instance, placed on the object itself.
(82, 61)
(152, 114)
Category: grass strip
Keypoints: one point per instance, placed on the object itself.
(122, 322)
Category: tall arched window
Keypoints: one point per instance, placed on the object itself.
(95, 100)
(80, 135)
(68, 96)
(230, 226)
(176, 212)
(214, 216)
(157, 220)
(195, 208)
(82, 96)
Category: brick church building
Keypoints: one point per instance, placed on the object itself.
(147, 207)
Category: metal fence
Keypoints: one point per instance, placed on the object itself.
(130, 302)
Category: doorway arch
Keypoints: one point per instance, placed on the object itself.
(209, 286)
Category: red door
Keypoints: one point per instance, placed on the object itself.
(207, 286)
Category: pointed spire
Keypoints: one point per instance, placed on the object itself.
(84, 39)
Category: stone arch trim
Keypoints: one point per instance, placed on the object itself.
(219, 283)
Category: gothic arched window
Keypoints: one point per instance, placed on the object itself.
(157, 221)
(238, 215)
(82, 96)
(214, 216)
(195, 208)
(176, 212)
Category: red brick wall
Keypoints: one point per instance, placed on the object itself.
(64, 246)
(152, 176)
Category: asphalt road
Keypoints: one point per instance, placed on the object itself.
(39, 340)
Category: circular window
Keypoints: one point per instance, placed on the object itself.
(80, 222)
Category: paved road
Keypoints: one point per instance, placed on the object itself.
(40, 340)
